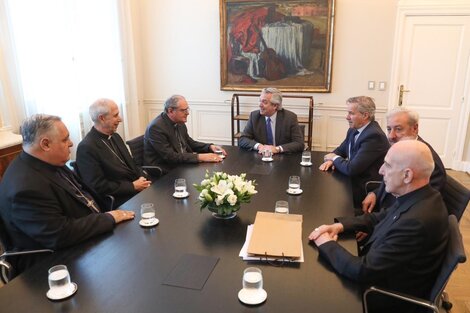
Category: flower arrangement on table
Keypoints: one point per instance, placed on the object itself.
(222, 193)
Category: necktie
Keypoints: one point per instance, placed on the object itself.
(352, 143)
(269, 132)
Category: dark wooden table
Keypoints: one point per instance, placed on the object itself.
(123, 271)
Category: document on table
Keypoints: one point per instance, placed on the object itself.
(250, 257)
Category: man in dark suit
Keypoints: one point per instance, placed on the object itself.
(42, 203)
(167, 143)
(408, 241)
(361, 153)
(272, 127)
(403, 124)
(103, 161)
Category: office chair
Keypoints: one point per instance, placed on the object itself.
(136, 146)
(6, 269)
(456, 197)
(371, 185)
(455, 254)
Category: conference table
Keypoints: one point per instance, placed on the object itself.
(126, 270)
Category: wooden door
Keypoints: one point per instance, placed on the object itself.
(430, 74)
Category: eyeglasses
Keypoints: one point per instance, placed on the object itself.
(183, 110)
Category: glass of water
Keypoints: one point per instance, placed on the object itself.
(281, 207)
(180, 187)
(306, 157)
(294, 184)
(267, 154)
(252, 278)
(219, 152)
(147, 213)
(59, 281)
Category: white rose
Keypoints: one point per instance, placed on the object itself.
(232, 199)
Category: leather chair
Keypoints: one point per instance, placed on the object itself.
(456, 197)
(455, 254)
(6, 269)
(136, 146)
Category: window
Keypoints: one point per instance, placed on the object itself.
(68, 55)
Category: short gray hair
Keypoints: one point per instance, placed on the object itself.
(364, 105)
(37, 125)
(99, 107)
(276, 97)
(413, 116)
(172, 102)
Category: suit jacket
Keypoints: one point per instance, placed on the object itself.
(368, 153)
(104, 171)
(288, 134)
(39, 211)
(161, 146)
(438, 181)
(405, 250)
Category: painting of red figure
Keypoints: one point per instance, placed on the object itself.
(285, 44)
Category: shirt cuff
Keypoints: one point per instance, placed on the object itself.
(256, 146)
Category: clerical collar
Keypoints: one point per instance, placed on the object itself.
(101, 135)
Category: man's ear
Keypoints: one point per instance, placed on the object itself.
(101, 117)
(45, 144)
(408, 175)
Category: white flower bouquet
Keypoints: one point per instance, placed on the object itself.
(222, 193)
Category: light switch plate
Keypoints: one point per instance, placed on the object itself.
(371, 85)
(382, 86)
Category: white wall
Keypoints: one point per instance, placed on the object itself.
(180, 42)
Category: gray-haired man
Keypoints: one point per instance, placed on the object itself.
(167, 143)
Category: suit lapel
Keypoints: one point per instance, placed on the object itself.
(279, 122)
(393, 215)
(49, 173)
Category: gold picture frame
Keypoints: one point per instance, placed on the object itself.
(284, 44)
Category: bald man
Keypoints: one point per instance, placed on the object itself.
(103, 161)
(408, 241)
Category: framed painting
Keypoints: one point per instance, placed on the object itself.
(287, 44)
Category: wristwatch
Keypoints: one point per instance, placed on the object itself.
(278, 149)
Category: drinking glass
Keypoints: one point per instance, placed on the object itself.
(147, 213)
(252, 278)
(306, 157)
(59, 281)
(219, 152)
(281, 207)
(267, 154)
(294, 183)
(180, 187)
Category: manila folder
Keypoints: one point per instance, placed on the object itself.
(276, 235)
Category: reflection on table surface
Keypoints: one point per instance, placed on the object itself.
(123, 271)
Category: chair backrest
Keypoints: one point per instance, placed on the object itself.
(5, 241)
(136, 146)
(456, 197)
(455, 254)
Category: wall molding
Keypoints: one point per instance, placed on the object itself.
(209, 120)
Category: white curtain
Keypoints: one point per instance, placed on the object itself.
(68, 54)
